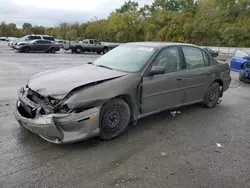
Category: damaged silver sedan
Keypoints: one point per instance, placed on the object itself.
(130, 82)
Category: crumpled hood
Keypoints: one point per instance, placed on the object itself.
(59, 82)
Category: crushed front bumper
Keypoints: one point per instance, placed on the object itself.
(59, 128)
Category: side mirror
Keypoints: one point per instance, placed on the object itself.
(157, 70)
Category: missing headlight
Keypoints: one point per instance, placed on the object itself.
(62, 109)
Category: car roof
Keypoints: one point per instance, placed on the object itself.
(159, 44)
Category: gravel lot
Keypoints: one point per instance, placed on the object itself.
(134, 160)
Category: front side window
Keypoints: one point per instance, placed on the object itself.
(193, 57)
(126, 58)
(96, 42)
(39, 41)
(34, 37)
(168, 58)
(91, 41)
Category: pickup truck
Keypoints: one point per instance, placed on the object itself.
(87, 45)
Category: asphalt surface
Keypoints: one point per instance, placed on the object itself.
(161, 151)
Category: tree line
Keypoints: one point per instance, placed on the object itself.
(201, 22)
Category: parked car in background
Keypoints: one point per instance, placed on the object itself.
(10, 38)
(128, 83)
(38, 45)
(87, 45)
(61, 43)
(212, 52)
(3, 38)
(239, 58)
(14, 42)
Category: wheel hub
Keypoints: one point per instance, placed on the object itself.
(212, 95)
(112, 120)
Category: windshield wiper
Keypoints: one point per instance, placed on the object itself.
(103, 66)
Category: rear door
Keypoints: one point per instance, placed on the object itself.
(197, 75)
(46, 45)
(164, 91)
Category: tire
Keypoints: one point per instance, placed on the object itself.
(105, 50)
(53, 50)
(212, 95)
(114, 119)
(26, 50)
(78, 50)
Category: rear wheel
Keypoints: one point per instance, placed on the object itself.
(105, 50)
(114, 119)
(78, 50)
(212, 95)
(26, 50)
(53, 50)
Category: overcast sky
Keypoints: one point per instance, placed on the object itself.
(53, 12)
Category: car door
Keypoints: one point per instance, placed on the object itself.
(164, 91)
(38, 45)
(91, 45)
(97, 46)
(46, 45)
(197, 75)
(239, 58)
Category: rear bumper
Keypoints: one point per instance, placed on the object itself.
(226, 83)
(58, 128)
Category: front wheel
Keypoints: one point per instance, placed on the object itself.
(26, 50)
(114, 119)
(212, 95)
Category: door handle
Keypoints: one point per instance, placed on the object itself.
(179, 78)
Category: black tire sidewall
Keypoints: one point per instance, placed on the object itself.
(78, 52)
(115, 103)
(53, 50)
(105, 50)
(26, 50)
(206, 102)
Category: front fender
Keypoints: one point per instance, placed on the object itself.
(97, 95)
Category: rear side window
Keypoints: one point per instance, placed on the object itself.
(49, 38)
(46, 42)
(193, 57)
(91, 41)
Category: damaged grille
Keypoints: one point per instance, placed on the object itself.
(33, 103)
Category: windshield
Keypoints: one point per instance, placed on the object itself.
(126, 58)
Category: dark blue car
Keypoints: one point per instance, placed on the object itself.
(241, 63)
(240, 57)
